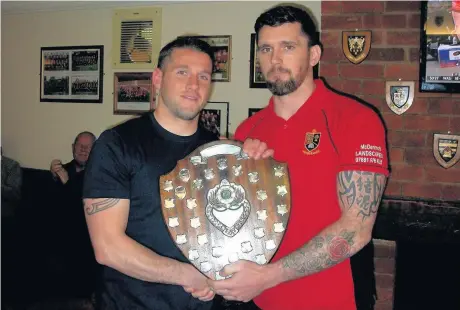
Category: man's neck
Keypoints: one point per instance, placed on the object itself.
(174, 124)
(79, 167)
(286, 106)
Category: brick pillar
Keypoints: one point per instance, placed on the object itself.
(384, 262)
(394, 55)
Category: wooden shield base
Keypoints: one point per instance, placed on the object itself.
(220, 206)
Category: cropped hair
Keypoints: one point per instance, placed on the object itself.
(282, 14)
(184, 42)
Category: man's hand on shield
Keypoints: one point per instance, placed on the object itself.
(248, 279)
(256, 149)
(195, 284)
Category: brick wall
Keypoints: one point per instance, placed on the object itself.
(394, 55)
(384, 262)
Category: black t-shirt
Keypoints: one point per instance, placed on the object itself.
(126, 162)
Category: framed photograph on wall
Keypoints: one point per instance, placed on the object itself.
(252, 111)
(72, 74)
(133, 93)
(222, 48)
(256, 79)
(215, 118)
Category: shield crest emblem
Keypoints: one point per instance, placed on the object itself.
(312, 140)
(356, 45)
(220, 206)
(399, 95)
(439, 20)
(445, 149)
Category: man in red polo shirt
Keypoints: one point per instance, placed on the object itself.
(337, 158)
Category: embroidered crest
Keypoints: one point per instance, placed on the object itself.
(312, 140)
(445, 149)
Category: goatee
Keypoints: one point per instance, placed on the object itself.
(280, 88)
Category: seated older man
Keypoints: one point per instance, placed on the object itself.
(68, 219)
(75, 168)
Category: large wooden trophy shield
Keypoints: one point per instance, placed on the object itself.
(221, 206)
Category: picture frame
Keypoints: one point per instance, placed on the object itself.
(256, 79)
(222, 48)
(215, 118)
(252, 111)
(72, 74)
(133, 93)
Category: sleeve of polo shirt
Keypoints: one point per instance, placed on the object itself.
(241, 132)
(362, 143)
(107, 174)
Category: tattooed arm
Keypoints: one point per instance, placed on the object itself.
(107, 219)
(359, 195)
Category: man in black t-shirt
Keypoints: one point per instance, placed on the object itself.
(143, 268)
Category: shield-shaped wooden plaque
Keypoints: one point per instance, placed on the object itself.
(356, 45)
(221, 206)
(400, 95)
(445, 149)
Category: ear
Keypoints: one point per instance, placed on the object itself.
(315, 55)
(157, 77)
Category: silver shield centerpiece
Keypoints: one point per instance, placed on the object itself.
(220, 206)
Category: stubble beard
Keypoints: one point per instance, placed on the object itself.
(186, 116)
(183, 114)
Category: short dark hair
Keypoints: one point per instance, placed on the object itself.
(282, 14)
(89, 133)
(185, 42)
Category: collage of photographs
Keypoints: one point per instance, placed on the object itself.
(71, 74)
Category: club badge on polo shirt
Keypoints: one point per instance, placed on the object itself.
(312, 140)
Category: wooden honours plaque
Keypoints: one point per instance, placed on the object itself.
(221, 206)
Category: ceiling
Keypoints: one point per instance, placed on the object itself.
(18, 7)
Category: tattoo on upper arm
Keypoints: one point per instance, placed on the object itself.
(101, 205)
(362, 189)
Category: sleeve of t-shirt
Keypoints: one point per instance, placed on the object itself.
(362, 144)
(107, 174)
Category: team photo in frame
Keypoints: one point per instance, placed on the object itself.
(72, 74)
(256, 78)
(215, 118)
(221, 46)
(133, 93)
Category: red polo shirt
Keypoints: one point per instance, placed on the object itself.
(456, 6)
(328, 134)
